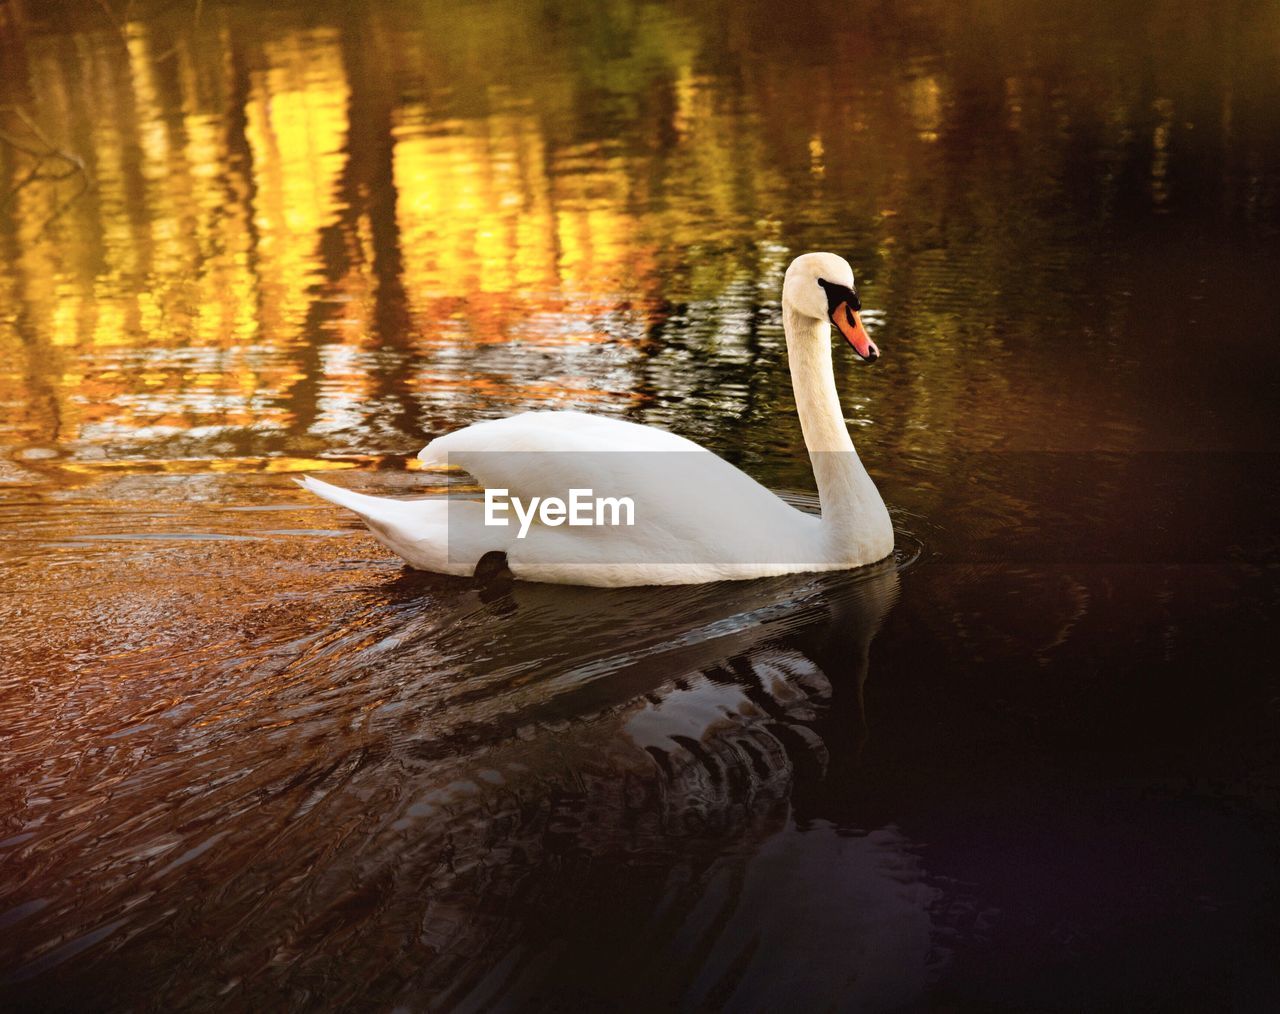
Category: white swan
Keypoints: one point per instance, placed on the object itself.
(696, 518)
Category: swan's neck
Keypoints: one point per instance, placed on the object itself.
(852, 510)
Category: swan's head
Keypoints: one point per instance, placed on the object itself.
(820, 285)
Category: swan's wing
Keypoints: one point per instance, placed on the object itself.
(685, 504)
(545, 453)
(554, 431)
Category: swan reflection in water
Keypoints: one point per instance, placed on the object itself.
(456, 797)
(650, 830)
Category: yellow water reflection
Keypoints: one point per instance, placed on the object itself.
(312, 237)
(296, 126)
(231, 232)
(484, 218)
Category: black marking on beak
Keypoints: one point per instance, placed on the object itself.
(837, 294)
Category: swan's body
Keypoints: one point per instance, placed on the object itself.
(697, 518)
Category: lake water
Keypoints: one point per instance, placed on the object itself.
(247, 760)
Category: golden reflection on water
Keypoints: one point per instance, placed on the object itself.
(227, 228)
(296, 232)
(296, 126)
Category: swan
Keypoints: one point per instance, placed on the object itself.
(697, 518)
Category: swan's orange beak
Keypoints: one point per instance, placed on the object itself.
(849, 323)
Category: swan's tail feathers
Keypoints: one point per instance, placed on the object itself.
(360, 503)
(417, 531)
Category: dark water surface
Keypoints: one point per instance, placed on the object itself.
(246, 760)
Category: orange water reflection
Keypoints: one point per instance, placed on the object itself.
(344, 234)
(231, 271)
